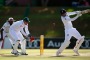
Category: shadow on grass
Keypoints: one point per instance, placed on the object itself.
(73, 56)
(7, 55)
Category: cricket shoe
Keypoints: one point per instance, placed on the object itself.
(76, 51)
(24, 54)
(57, 53)
(14, 52)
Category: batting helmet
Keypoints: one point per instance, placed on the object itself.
(26, 19)
(62, 11)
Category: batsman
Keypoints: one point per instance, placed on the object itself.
(70, 31)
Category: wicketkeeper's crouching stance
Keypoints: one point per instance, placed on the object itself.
(70, 31)
(16, 31)
(5, 30)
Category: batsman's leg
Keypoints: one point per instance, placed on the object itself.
(79, 41)
(66, 42)
(78, 44)
(63, 46)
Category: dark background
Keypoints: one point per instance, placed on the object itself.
(45, 15)
(42, 2)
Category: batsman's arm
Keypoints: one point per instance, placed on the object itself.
(70, 19)
(72, 13)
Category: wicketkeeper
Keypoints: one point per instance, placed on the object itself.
(70, 31)
(16, 31)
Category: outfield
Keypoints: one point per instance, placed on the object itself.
(49, 54)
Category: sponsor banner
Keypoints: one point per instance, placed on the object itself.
(54, 43)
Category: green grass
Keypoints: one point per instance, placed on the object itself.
(49, 54)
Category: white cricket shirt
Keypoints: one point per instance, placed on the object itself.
(67, 20)
(6, 27)
(18, 26)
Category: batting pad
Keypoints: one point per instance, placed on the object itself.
(79, 42)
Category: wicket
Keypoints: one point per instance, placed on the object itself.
(41, 44)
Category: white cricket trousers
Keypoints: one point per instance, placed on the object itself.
(15, 35)
(68, 34)
(72, 32)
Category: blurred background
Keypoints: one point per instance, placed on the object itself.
(45, 16)
(45, 19)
